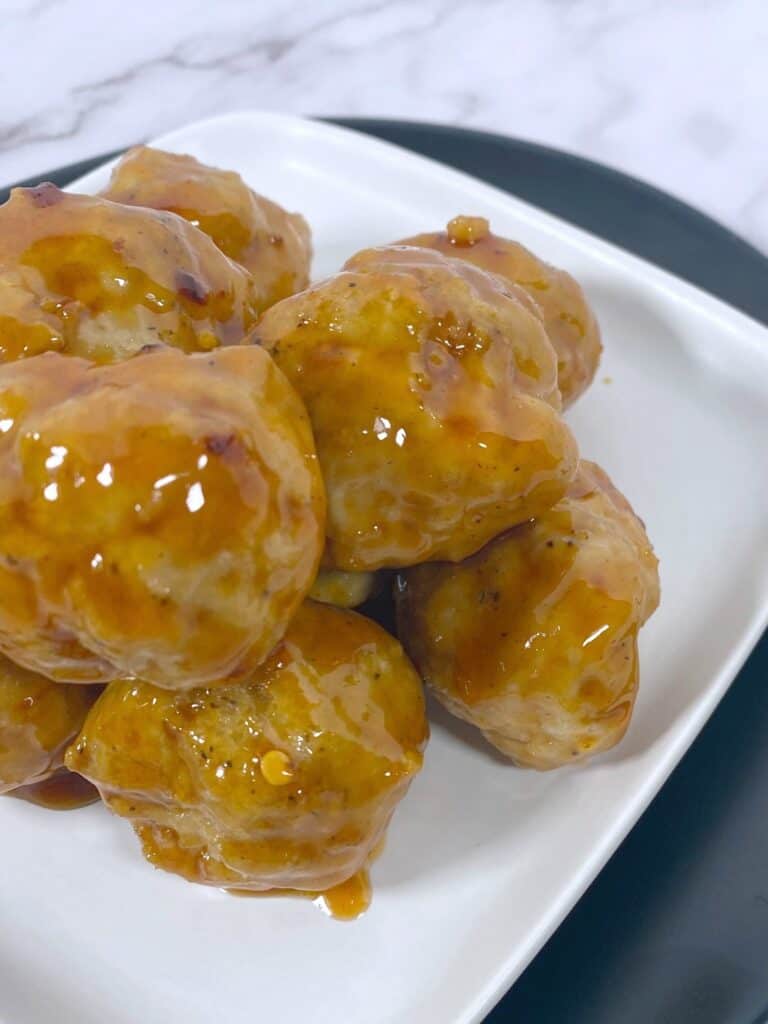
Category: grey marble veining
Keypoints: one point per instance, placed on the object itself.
(674, 92)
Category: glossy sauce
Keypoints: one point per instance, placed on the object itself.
(433, 397)
(345, 589)
(344, 902)
(348, 900)
(92, 278)
(159, 517)
(63, 791)
(568, 318)
(271, 243)
(38, 720)
(534, 639)
(285, 780)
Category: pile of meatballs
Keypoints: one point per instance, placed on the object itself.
(206, 463)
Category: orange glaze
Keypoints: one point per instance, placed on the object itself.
(534, 639)
(160, 517)
(63, 791)
(567, 317)
(340, 704)
(345, 589)
(433, 399)
(82, 275)
(38, 718)
(348, 899)
(272, 244)
(344, 902)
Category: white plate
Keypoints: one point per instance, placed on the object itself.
(483, 860)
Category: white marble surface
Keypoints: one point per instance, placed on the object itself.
(674, 91)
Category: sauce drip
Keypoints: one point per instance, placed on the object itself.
(347, 900)
(344, 901)
(64, 791)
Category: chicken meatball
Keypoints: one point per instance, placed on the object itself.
(344, 589)
(87, 277)
(534, 639)
(272, 244)
(160, 517)
(568, 319)
(285, 780)
(38, 718)
(433, 397)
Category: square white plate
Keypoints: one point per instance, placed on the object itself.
(483, 860)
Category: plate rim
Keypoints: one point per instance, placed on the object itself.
(610, 251)
(748, 330)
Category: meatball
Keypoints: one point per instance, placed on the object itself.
(160, 517)
(38, 719)
(344, 589)
(272, 244)
(84, 276)
(568, 319)
(433, 397)
(534, 639)
(285, 780)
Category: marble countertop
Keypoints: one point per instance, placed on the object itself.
(674, 93)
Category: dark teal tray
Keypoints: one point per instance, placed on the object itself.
(675, 928)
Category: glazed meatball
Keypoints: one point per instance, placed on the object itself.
(84, 276)
(272, 244)
(38, 718)
(567, 317)
(344, 589)
(433, 397)
(160, 517)
(285, 780)
(534, 639)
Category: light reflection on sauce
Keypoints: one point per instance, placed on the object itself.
(64, 791)
(347, 900)
(344, 901)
